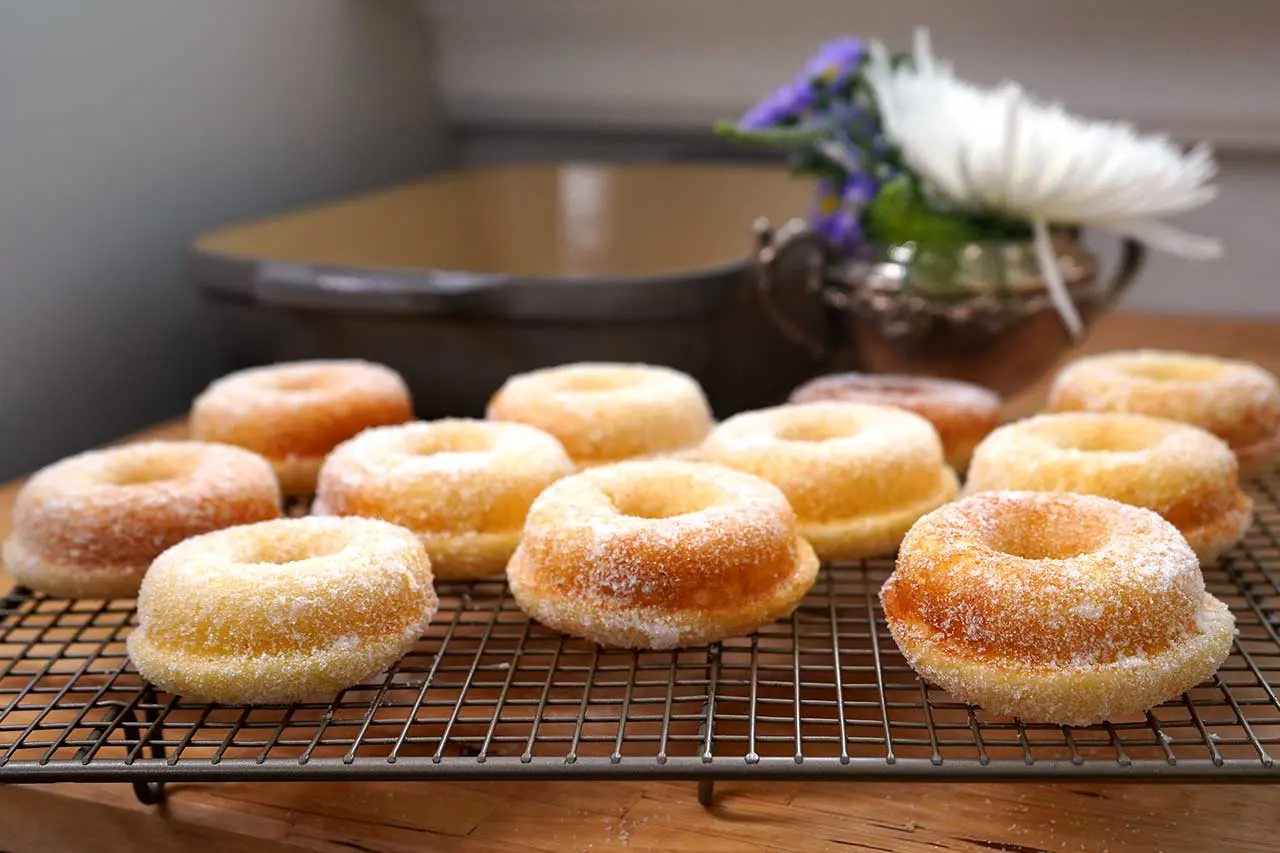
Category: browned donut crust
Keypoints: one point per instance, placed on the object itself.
(295, 413)
(961, 412)
(1235, 400)
(88, 526)
(1054, 607)
(658, 554)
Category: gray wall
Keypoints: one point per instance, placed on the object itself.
(128, 127)
(549, 78)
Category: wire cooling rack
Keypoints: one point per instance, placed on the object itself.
(488, 694)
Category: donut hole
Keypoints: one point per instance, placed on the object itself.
(1106, 438)
(145, 472)
(816, 430)
(1041, 534)
(1174, 370)
(283, 550)
(448, 440)
(897, 387)
(588, 382)
(661, 500)
(298, 382)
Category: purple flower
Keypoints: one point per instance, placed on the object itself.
(842, 228)
(835, 61)
(859, 188)
(780, 105)
(836, 214)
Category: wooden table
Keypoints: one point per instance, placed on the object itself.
(570, 816)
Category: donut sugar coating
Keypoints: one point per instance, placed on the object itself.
(605, 412)
(463, 486)
(961, 412)
(660, 554)
(1054, 607)
(1235, 400)
(281, 611)
(294, 413)
(1184, 473)
(89, 525)
(858, 476)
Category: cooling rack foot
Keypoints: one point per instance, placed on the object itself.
(149, 793)
(707, 792)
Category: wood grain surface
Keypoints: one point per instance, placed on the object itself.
(570, 816)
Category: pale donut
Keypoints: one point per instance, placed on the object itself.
(464, 486)
(1235, 400)
(295, 413)
(858, 476)
(961, 412)
(282, 610)
(604, 412)
(1054, 607)
(1187, 475)
(88, 526)
(660, 554)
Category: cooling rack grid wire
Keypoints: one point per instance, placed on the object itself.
(488, 694)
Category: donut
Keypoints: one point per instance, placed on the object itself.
(660, 554)
(1187, 475)
(1235, 400)
(604, 412)
(463, 486)
(295, 413)
(1054, 607)
(88, 526)
(281, 611)
(858, 476)
(961, 412)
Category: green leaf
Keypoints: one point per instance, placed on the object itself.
(779, 136)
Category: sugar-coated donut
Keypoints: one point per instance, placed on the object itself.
(464, 486)
(88, 526)
(1235, 400)
(858, 476)
(1054, 607)
(604, 412)
(961, 412)
(660, 554)
(1184, 473)
(295, 413)
(282, 610)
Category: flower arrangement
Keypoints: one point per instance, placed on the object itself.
(908, 153)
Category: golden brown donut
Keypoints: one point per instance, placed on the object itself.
(858, 476)
(659, 554)
(1187, 475)
(1235, 400)
(295, 413)
(282, 610)
(1054, 607)
(961, 412)
(464, 486)
(88, 526)
(605, 412)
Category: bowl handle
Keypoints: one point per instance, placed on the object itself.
(771, 247)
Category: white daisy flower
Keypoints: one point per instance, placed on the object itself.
(996, 149)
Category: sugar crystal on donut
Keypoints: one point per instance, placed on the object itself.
(606, 412)
(1235, 400)
(1054, 607)
(89, 525)
(1182, 472)
(294, 413)
(856, 475)
(464, 486)
(659, 554)
(281, 610)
